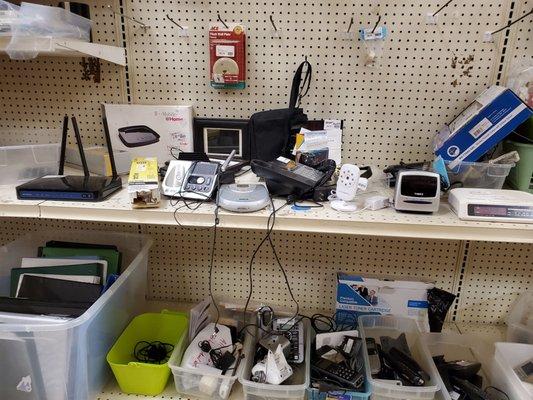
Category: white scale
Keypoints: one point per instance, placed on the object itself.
(495, 205)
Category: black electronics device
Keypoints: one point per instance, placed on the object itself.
(38, 307)
(73, 187)
(344, 376)
(50, 289)
(137, 136)
(295, 333)
(219, 137)
(200, 181)
(285, 177)
(373, 356)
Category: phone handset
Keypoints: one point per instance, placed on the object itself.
(176, 172)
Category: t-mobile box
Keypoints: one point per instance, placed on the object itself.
(357, 295)
(159, 131)
(492, 116)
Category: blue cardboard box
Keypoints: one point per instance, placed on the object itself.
(358, 295)
(492, 116)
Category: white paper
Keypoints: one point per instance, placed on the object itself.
(53, 262)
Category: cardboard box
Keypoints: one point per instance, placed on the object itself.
(149, 130)
(357, 295)
(492, 116)
(143, 183)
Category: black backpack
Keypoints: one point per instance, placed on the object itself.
(273, 133)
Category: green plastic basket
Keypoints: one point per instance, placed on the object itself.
(521, 176)
(136, 377)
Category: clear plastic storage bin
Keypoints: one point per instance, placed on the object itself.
(294, 388)
(455, 346)
(375, 326)
(520, 320)
(479, 175)
(509, 356)
(23, 163)
(66, 360)
(200, 384)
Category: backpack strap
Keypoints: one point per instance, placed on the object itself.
(300, 88)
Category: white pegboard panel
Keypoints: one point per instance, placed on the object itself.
(494, 275)
(390, 113)
(13, 228)
(180, 260)
(36, 94)
(520, 44)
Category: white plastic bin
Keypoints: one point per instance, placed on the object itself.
(375, 326)
(520, 320)
(66, 360)
(294, 388)
(455, 346)
(507, 357)
(23, 163)
(479, 175)
(200, 384)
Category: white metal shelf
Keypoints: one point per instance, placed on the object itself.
(387, 222)
(67, 48)
(10, 206)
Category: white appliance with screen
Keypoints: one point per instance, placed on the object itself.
(496, 205)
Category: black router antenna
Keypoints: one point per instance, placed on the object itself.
(63, 146)
(80, 148)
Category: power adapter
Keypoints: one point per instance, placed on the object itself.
(376, 203)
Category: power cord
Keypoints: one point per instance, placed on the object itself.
(270, 227)
(152, 352)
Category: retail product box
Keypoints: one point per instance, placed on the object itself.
(98, 160)
(492, 116)
(64, 358)
(149, 130)
(143, 183)
(357, 295)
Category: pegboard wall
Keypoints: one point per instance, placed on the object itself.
(487, 280)
(390, 113)
(428, 74)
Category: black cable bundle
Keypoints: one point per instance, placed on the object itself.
(152, 352)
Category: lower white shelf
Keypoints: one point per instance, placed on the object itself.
(112, 392)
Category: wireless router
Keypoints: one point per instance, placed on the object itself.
(73, 187)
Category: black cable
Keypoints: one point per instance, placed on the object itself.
(316, 204)
(281, 267)
(513, 22)
(250, 266)
(152, 352)
(213, 247)
(442, 8)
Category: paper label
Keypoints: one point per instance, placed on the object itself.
(225, 51)
(480, 127)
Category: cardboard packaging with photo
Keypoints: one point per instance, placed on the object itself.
(149, 130)
(357, 295)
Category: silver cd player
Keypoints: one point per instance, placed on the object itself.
(243, 197)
